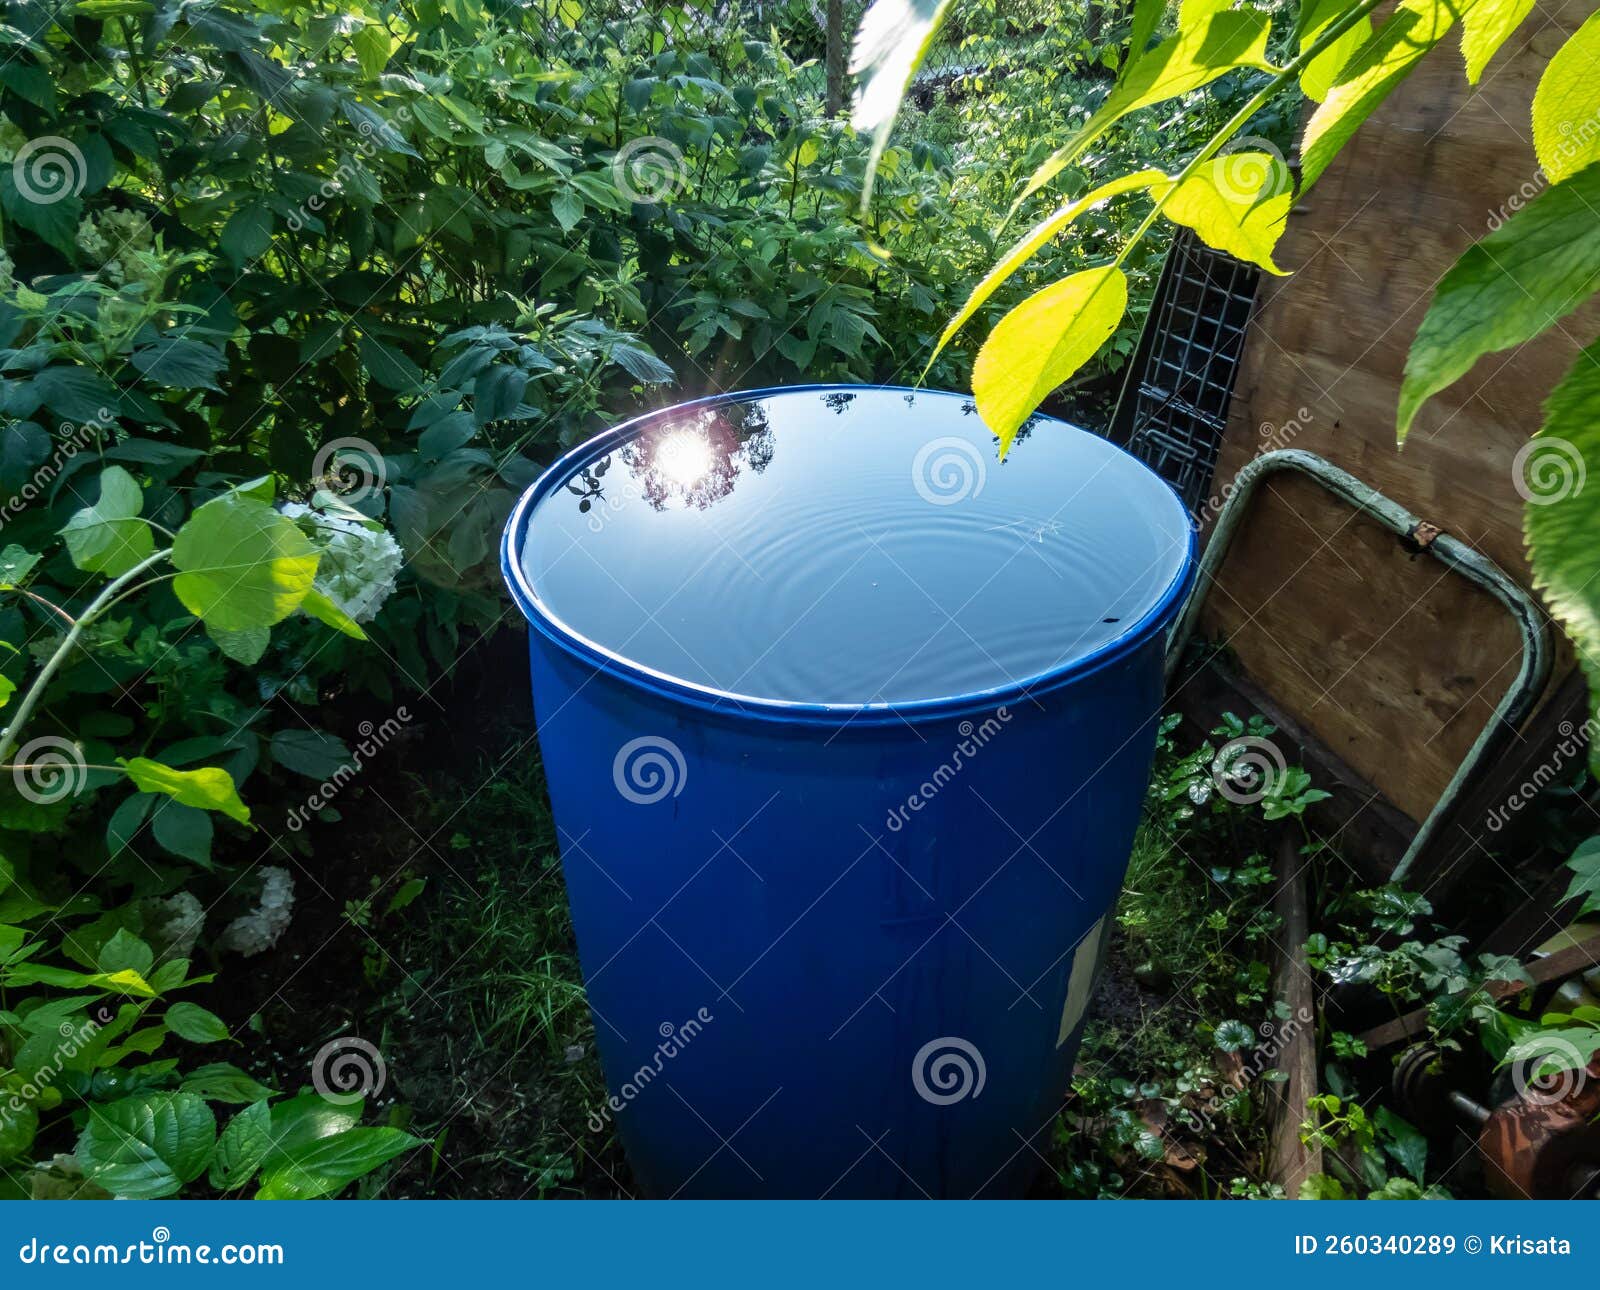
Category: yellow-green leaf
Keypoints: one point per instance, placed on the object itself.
(1185, 61)
(1414, 28)
(318, 606)
(1237, 203)
(1036, 238)
(1559, 475)
(108, 537)
(1041, 343)
(1486, 26)
(1566, 106)
(893, 39)
(242, 564)
(1323, 71)
(210, 788)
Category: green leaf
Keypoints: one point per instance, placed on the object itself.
(108, 537)
(245, 647)
(1037, 237)
(893, 39)
(125, 952)
(1566, 106)
(389, 367)
(185, 831)
(301, 1121)
(18, 1126)
(192, 1022)
(23, 446)
(242, 564)
(330, 1164)
(318, 606)
(311, 753)
(1486, 26)
(76, 394)
(1404, 1144)
(372, 45)
(1181, 63)
(567, 207)
(1386, 59)
(1323, 1187)
(224, 1082)
(1147, 16)
(1561, 520)
(180, 364)
(1237, 203)
(248, 233)
(208, 789)
(1554, 1051)
(16, 563)
(244, 1144)
(148, 1146)
(1533, 270)
(1042, 342)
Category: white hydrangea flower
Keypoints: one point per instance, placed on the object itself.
(358, 565)
(177, 922)
(259, 930)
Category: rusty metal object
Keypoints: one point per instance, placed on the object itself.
(1545, 1143)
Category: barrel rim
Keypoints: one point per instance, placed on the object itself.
(679, 690)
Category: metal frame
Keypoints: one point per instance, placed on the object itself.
(1478, 569)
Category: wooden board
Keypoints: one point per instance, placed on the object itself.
(1396, 668)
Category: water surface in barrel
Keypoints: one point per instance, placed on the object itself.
(853, 545)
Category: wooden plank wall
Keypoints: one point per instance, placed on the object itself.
(1391, 662)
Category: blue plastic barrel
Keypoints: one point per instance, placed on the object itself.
(847, 725)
